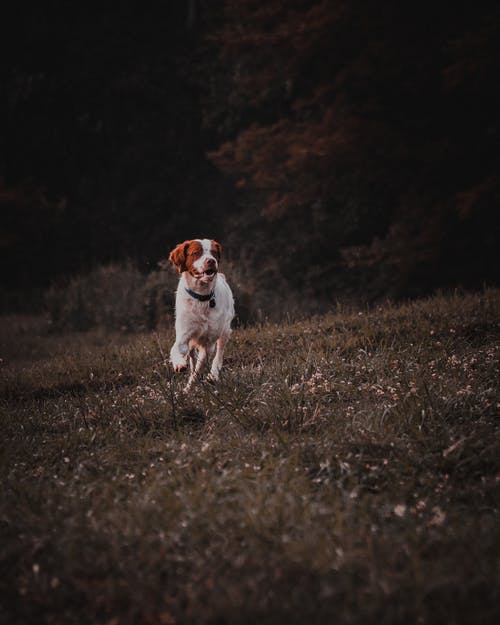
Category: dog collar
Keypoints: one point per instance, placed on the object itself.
(203, 298)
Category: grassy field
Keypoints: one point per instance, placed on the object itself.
(345, 470)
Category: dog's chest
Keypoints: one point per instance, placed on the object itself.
(203, 322)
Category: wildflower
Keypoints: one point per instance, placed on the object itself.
(438, 518)
(400, 510)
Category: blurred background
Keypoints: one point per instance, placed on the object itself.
(340, 151)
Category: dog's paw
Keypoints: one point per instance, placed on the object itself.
(179, 358)
(212, 378)
(178, 363)
(180, 367)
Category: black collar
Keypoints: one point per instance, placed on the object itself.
(202, 298)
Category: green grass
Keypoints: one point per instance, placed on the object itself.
(345, 470)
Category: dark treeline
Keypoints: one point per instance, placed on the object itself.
(334, 147)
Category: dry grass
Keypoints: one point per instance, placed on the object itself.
(345, 470)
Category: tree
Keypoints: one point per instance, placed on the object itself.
(373, 127)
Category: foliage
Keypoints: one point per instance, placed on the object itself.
(101, 158)
(345, 470)
(338, 148)
(362, 123)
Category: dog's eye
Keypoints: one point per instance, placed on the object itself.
(195, 253)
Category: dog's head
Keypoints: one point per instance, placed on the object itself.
(199, 257)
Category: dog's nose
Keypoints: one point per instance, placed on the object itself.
(211, 261)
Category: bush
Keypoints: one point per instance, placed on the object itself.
(114, 297)
(119, 297)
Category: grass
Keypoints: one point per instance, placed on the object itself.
(345, 470)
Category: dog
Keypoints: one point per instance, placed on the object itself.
(204, 308)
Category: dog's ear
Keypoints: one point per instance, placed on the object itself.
(218, 249)
(178, 256)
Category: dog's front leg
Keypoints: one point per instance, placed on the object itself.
(219, 355)
(201, 357)
(179, 354)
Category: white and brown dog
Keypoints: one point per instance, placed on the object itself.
(204, 308)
